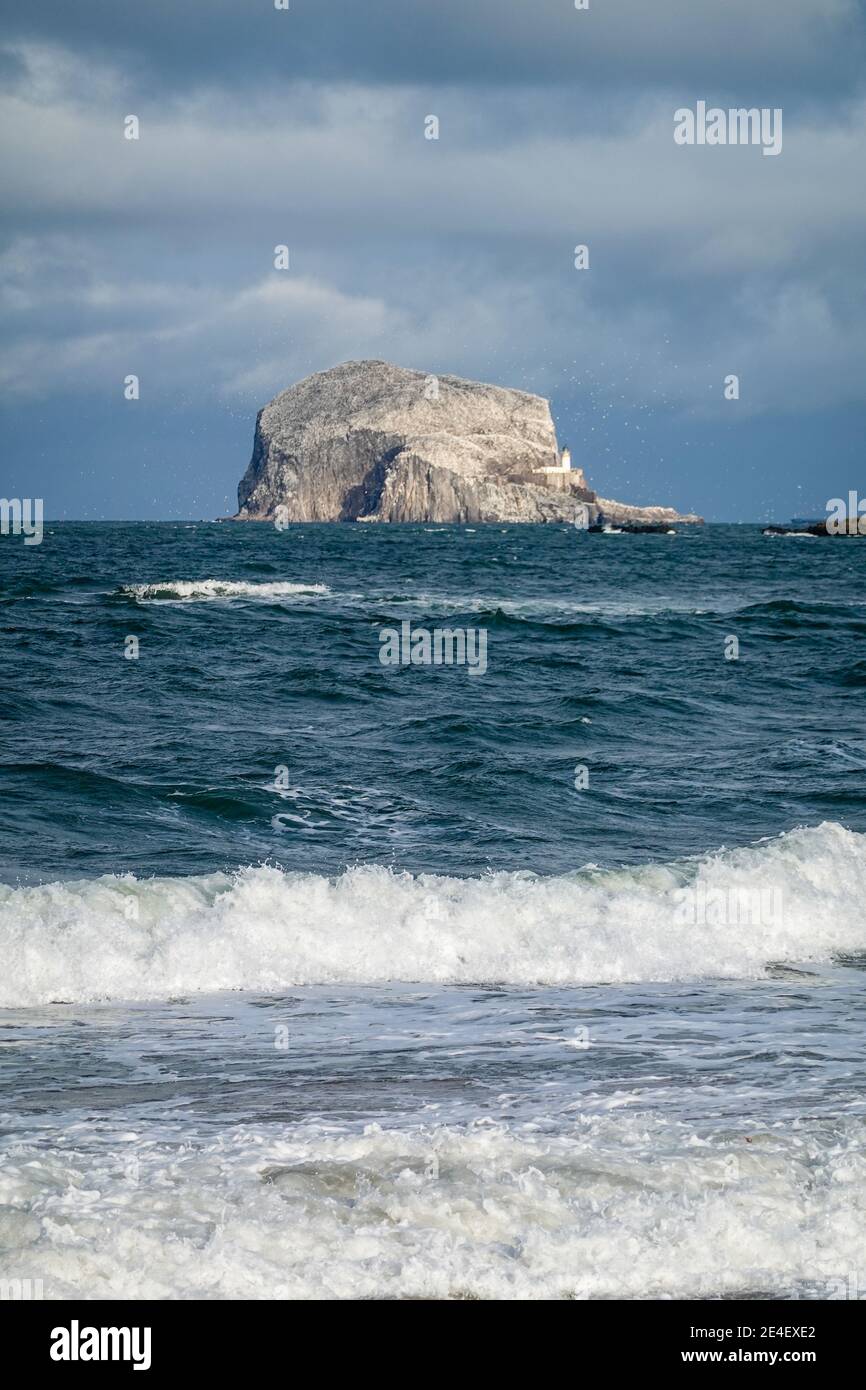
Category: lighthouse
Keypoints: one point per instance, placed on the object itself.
(563, 467)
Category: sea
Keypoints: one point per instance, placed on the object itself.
(323, 978)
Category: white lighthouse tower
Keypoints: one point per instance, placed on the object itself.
(562, 467)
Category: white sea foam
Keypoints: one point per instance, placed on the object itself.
(553, 608)
(618, 1205)
(262, 929)
(200, 590)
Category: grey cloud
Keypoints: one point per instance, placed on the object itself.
(238, 43)
(395, 240)
(156, 256)
(352, 162)
(795, 346)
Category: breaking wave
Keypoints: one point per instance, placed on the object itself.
(619, 1206)
(118, 937)
(200, 590)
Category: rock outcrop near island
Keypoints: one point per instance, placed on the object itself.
(368, 441)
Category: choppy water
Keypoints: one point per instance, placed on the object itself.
(321, 978)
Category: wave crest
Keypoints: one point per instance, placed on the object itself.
(200, 590)
(264, 929)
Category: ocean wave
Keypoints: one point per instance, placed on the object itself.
(118, 937)
(622, 1206)
(200, 590)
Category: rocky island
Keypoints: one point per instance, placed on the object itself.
(368, 441)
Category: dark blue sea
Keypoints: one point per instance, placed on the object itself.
(326, 978)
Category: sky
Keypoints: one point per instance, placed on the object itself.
(305, 127)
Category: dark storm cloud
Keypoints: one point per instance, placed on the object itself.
(171, 44)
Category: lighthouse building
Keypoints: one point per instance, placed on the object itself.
(563, 469)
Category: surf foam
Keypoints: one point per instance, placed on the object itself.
(200, 590)
(624, 1206)
(264, 929)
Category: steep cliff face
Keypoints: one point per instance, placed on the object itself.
(370, 441)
